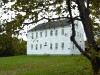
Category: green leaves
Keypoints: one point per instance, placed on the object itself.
(58, 10)
(11, 46)
(36, 16)
(95, 7)
(95, 12)
(5, 1)
(59, 1)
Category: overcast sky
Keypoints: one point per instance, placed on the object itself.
(12, 15)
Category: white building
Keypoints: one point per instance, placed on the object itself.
(54, 38)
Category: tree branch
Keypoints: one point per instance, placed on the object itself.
(73, 32)
(87, 24)
(45, 19)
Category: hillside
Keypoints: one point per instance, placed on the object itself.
(45, 65)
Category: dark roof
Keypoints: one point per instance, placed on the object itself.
(49, 25)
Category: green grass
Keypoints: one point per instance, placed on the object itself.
(45, 65)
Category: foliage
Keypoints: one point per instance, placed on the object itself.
(98, 41)
(5, 45)
(95, 11)
(46, 9)
(19, 46)
(11, 46)
(50, 10)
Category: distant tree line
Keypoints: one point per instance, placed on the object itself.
(11, 46)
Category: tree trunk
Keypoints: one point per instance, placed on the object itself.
(95, 65)
(87, 25)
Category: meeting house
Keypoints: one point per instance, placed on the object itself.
(53, 38)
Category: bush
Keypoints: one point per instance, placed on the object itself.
(10, 46)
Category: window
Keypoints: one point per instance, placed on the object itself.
(56, 45)
(56, 32)
(62, 45)
(77, 26)
(40, 46)
(36, 46)
(73, 46)
(80, 35)
(36, 34)
(77, 34)
(50, 45)
(51, 33)
(40, 34)
(62, 32)
(45, 33)
(31, 46)
(45, 44)
(82, 46)
(66, 34)
(32, 35)
(26, 35)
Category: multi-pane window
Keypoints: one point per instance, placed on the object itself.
(62, 32)
(56, 45)
(40, 34)
(31, 46)
(36, 46)
(32, 35)
(62, 45)
(80, 35)
(56, 32)
(51, 33)
(77, 34)
(46, 33)
(50, 45)
(73, 46)
(40, 46)
(36, 34)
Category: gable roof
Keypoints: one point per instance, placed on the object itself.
(49, 25)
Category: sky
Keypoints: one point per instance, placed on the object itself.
(26, 28)
(12, 15)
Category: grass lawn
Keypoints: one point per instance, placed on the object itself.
(45, 65)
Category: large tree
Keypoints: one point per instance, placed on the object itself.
(50, 10)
